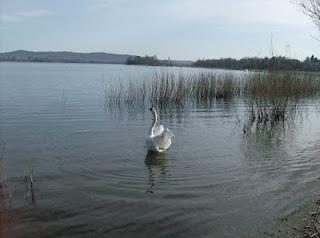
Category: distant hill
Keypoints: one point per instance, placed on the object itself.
(66, 57)
(73, 57)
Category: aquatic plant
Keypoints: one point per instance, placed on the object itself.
(274, 97)
(271, 97)
(29, 183)
(284, 84)
(165, 88)
(5, 193)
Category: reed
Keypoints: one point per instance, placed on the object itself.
(167, 89)
(271, 97)
(283, 84)
(5, 193)
(274, 97)
(210, 86)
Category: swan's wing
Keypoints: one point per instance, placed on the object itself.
(163, 141)
(168, 134)
(158, 130)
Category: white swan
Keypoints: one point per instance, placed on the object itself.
(159, 138)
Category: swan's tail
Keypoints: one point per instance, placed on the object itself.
(160, 150)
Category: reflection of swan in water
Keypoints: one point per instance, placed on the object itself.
(155, 161)
(159, 138)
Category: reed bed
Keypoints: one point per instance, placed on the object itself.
(271, 97)
(282, 84)
(166, 89)
(162, 88)
(274, 97)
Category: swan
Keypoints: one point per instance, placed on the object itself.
(159, 138)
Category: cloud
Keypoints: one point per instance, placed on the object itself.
(33, 13)
(20, 16)
(102, 5)
(9, 19)
(244, 12)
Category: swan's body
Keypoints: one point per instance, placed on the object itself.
(159, 138)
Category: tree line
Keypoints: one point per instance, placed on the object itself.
(148, 60)
(254, 63)
(273, 63)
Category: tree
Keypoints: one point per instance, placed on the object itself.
(312, 9)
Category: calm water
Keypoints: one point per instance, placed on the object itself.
(94, 178)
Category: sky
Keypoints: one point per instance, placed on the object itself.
(179, 29)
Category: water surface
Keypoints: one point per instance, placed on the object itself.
(94, 178)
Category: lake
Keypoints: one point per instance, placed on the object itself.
(93, 177)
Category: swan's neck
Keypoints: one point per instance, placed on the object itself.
(154, 122)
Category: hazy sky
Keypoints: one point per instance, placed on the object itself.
(180, 29)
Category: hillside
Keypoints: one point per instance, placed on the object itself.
(67, 57)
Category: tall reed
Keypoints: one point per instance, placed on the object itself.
(274, 97)
(270, 96)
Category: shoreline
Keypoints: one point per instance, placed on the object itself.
(311, 225)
